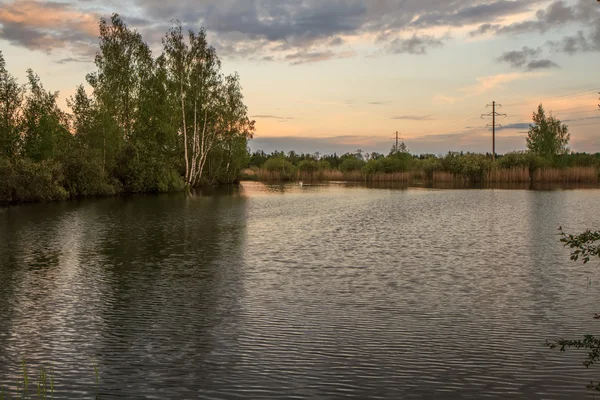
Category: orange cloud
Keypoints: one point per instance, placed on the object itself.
(46, 25)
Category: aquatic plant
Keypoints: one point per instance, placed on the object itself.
(586, 247)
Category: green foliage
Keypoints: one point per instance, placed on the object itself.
(126, 135)
(308, 166)
(586, 245)
(258, 159)
(281, 166)
(44, 125)
(395, 162)
(350, 163)
(11, 98)
(548, 136)
(23, 180)
(470, 166)
(324, 165)
(84, 176)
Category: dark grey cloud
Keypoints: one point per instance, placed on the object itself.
(541, 64)
(304, 57)
(559, 13)
(72, 60)
(413, 45)
(313, 27)
(517, 125)
(518, 58)
(296, 31)
(471, 13)
(580, 42)
(523, 59)
(486, 28)
(415, 117)
(337, 41)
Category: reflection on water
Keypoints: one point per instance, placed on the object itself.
(312, 291)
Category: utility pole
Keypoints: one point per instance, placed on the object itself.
(398, 138)
(493, 114)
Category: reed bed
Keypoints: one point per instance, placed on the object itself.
(569, 175)
(508, 175)
(439, 176)
(496, 175)
(401, 177)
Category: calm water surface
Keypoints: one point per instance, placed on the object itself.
(301, 292)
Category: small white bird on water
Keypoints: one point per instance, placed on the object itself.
(300, 183)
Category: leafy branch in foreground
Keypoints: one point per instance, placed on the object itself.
(586, 247)
(585, 243)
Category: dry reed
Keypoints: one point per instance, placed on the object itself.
(496, 175)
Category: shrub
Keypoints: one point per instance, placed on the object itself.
(308, 166)
(280, 166)
(24, 180)
(351, 164)
(324, 165)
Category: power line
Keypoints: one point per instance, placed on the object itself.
(554, 98)
(493, 114)
(460, 122)
(397, 139)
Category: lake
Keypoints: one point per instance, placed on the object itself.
(316, 292)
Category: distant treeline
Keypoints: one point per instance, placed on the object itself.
(151, 124)
(547, 159)
(468, 166)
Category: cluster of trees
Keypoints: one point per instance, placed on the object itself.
(547, 142)
(150, 124)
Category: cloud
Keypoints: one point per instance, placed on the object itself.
(518, 58)
(413, 45)
(541, 64)
(485, 84)
(579, 43)
(475, 12)
(271, 117)
(415, 117)
(288, 28)
(485, 28)
(521, 58)
(304, 57)
(296, 31)
(72, 59)
(518, 125)
(558, 14)
(47, 26)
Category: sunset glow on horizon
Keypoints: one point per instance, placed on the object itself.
(335, 76)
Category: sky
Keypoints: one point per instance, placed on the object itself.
(341, 75)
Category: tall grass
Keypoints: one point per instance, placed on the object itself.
(569, 175)
(508, 175)
(494, 175)
(44, 385)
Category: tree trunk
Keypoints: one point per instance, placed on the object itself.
(185, 149)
